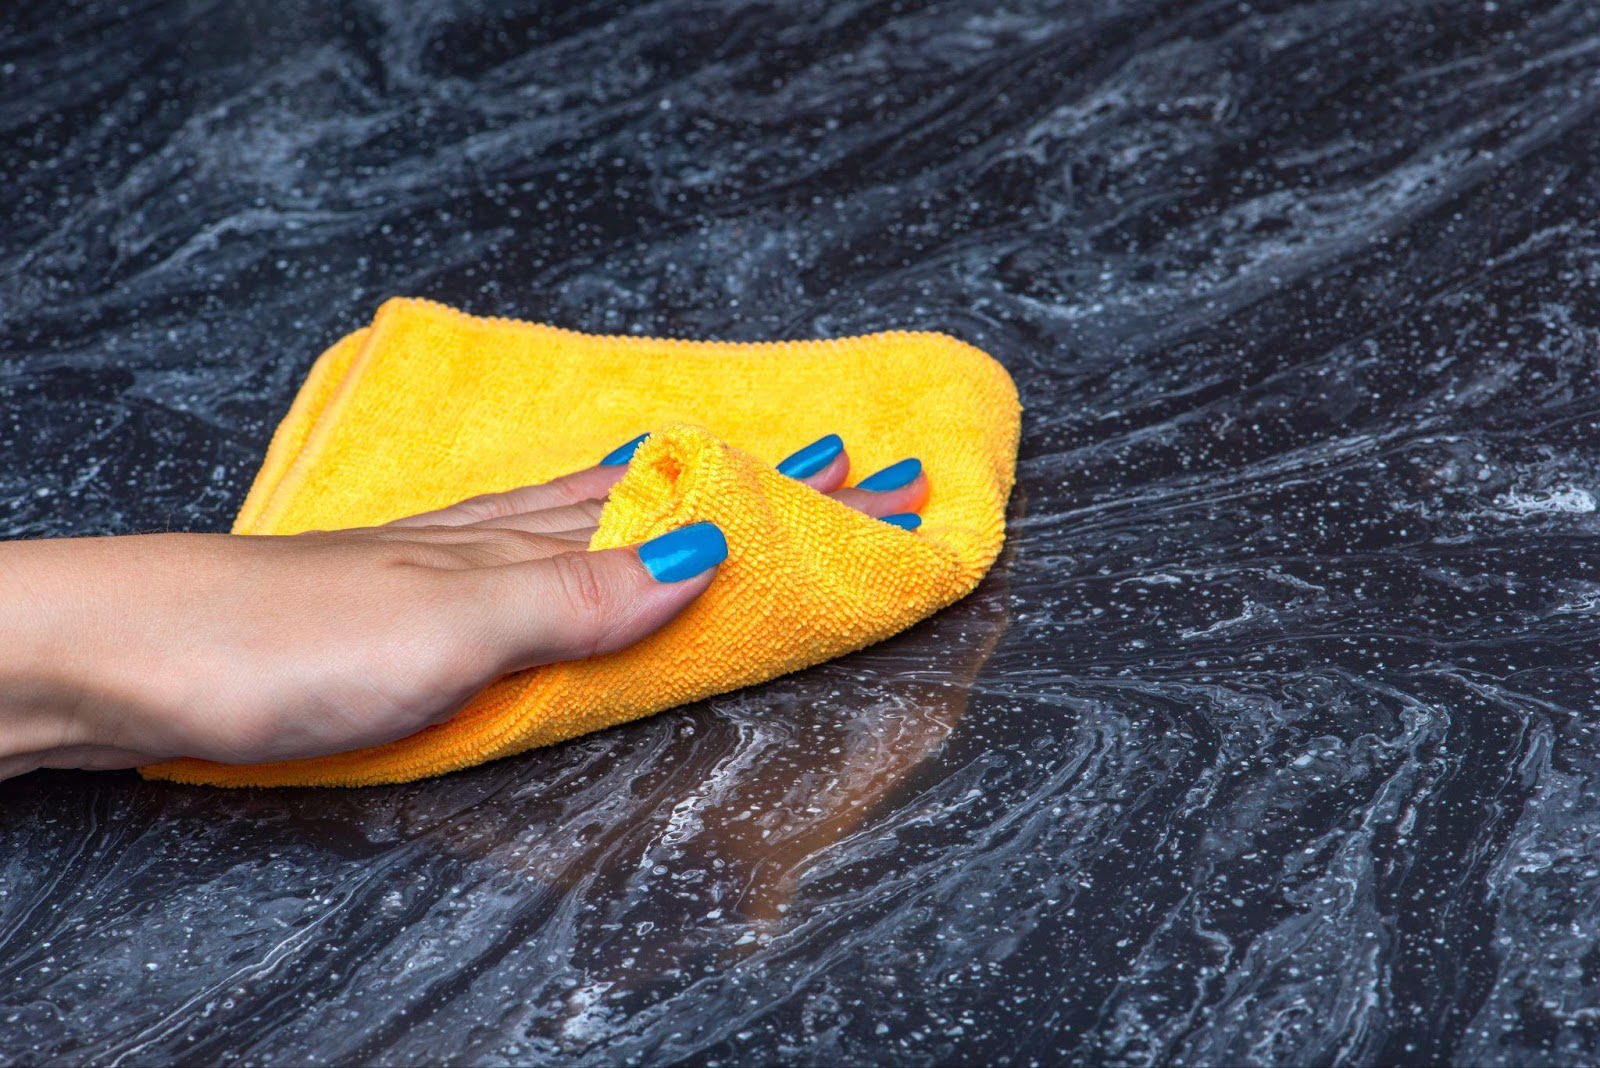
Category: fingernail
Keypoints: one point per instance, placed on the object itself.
(623, 453)
(813, 458)
(892, 477)
(903, 520)
(684, 553)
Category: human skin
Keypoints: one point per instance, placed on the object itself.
(122, 651)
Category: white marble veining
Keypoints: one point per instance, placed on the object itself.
(1272, 738)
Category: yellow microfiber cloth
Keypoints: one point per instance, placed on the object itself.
(428, 405)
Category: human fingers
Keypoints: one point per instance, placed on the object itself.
(899, 490)
(592, 484)
(581, 604)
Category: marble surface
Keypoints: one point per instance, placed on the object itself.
(1272, 738)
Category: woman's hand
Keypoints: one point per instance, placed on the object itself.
(121, 651)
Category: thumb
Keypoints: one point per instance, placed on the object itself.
(580, 604)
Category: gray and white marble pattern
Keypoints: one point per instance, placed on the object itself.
(1272, 738)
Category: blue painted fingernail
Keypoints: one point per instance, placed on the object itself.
(623, 453)
(684, 553)
(903, 520)
(892, 477)
(813, 458)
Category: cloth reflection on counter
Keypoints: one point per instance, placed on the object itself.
(751, 795)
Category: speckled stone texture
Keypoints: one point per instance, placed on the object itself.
(1271, 739)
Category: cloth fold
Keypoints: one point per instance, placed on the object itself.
(429, 405)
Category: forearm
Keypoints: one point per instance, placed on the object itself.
(53, 711)
(36, 709)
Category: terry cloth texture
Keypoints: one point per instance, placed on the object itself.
(429, 405)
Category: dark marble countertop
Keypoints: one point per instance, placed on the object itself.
(1273, 736)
